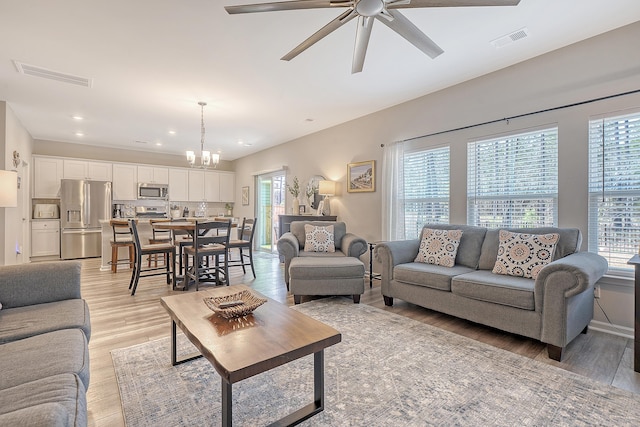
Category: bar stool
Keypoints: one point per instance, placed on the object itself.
(121, 238)
(158, 236)
(245, 241)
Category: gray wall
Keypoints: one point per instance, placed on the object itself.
(604, 65)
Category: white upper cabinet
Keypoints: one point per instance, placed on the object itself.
(153, 175)
(212, 186)
(178, 185)
(227, 186)
(125, 181)
(83, 169)
(196, 185)
(47, 173)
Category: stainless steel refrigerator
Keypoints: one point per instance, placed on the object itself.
(82, 205)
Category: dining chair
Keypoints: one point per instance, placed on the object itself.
(121, 238)
(210, 240)
(244, 241)
(167, 249)
(181, 238)
(158, 236)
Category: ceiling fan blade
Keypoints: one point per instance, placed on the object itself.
(345, 17)
(401, 25)
(363, 33)
(403, 4)
(287, 5)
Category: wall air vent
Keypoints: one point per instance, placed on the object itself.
(510, 38)
(35, 71)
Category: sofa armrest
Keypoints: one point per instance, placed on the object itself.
(353, 245)
(288, 248)
(564, 295)
(390, 254)
(38, 283)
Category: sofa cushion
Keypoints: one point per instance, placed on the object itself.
(339, 230)
(483, 285)
(470, 243)
(524, 255)
(51, 401)
(568, 243)
(319, 238)
(44, 355)
(22, 322)
(428, 275)
(439, 247)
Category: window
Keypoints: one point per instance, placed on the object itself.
(426, 189)
(513, 181)
(614, 188)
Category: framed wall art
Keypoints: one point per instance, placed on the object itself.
(245, 196)
(361, 177)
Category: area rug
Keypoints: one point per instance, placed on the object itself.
(387, 371)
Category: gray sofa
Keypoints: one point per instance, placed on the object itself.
(44, 334)
(554, 308)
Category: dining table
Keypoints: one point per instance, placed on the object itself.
(188, 225)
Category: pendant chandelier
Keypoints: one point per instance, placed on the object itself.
(206, 158)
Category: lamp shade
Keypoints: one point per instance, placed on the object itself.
(8, 189)
(327, 188)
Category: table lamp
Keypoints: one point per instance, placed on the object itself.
(326, 189)
(8, 189)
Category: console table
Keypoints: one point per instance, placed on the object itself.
(635, 261)
(284, 221)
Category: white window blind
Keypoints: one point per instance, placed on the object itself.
(614, 188)
(513, 181)
(426, 189)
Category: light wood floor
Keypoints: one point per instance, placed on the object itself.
(119, 320)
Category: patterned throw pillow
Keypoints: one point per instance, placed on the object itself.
(439, 247)
(319, 238)
(524, 255)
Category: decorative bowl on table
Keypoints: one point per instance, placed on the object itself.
(234, 305)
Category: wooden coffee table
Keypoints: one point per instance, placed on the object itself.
(240, 348)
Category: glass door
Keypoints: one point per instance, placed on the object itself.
(271, 194)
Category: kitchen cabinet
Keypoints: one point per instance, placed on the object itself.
(47, 173)
(227, 186)
(125, 182)
(212, 186)
(153, 175)
(45, 238)
(178, 185)
(196, 185)
(84, 169)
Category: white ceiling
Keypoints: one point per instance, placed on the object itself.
(151, 61)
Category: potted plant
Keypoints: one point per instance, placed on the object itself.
(229, 208)
(295, 192)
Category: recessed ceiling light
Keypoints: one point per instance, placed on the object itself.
(172, 132)
(158, 144)
(79, 133)
(308, 120)
(240, 143)
(77, 117)
(248, 144)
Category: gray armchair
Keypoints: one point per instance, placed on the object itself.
(291, 244)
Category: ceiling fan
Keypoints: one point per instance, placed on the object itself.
(367, 11)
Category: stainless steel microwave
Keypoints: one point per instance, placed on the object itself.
(153, 191)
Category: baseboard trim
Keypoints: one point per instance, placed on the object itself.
(608, 328)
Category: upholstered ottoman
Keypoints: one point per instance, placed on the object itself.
(326, 276)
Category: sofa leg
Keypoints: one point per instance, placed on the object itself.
(555, 352)
(388, 301)
(356, 299)
(586, 329)
(297, 299)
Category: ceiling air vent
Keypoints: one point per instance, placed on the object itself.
(35, 71)
(510, 38)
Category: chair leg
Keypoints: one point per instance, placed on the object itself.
(297, 299)
(114, 259)
(164, 255)
(244, 271)
(132, 256)
(253, 270)
(136, 275)
(356, 299)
